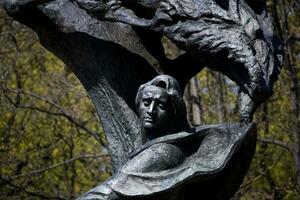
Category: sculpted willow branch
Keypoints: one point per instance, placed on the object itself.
(234, 38)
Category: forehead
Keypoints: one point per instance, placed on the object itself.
(154, 92)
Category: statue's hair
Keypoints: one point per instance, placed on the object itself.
(172, 88)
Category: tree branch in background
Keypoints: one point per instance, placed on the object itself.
(63, 113)
(281, 144)
(28, 192)
(38, 171)
(244, 187)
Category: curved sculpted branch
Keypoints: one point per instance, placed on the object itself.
(235, 38)
(97, 52)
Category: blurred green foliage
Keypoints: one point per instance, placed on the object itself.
(51, 143)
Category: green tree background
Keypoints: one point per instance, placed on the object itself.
(52, 145)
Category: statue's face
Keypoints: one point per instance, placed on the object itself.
(153, 110)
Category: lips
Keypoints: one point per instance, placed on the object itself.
(148, 119)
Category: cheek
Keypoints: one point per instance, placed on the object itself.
(141, 111)
(163, 115)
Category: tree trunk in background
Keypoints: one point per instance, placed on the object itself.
(193, 102)
(264, 156)
(281, 11)
(197, 110)
(219, 95)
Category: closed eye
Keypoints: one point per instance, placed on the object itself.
(146, 102)
(162, 106)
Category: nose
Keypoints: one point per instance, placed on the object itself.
(151, 108)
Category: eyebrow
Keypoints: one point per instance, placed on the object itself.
(147, 97)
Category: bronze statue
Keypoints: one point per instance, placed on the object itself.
(174, 157)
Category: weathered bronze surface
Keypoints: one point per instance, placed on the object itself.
(177, 162)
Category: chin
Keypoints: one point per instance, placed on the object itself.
(148, 126)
